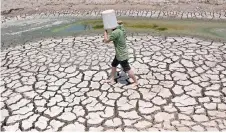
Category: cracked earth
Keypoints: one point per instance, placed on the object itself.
(56, 85)
(148, 13)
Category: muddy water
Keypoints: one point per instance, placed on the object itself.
(19, 32)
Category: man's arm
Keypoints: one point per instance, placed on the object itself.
(112, 37)
(106, 40)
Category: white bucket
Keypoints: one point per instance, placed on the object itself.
(109, 19)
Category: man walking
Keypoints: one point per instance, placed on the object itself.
(118, 36)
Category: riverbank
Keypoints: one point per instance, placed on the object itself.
(51, 15)
(16, 32)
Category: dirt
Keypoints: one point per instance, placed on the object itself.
(20, 7)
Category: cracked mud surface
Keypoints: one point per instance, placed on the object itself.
(15, 7)
(55, 85)
(148, 13)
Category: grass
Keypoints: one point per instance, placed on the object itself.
(161, 28)
(193, 28)
(97, 24)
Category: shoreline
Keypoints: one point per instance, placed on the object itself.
(99, 34)
(148, 12)
(96, 15)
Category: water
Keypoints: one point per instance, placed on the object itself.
(19, 32)
(219, 32)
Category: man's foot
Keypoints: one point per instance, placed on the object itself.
(133, 85)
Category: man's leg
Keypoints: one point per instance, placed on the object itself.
(126, 67)
(114, 65)
(113, 72)
(132, 76)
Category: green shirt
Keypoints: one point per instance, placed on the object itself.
(118, 36)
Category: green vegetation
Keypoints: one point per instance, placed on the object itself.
(161, 28)
(195, 28)
(215, 30)
(97, 24)
(100, 26)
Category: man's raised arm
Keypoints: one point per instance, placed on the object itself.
(106, 40)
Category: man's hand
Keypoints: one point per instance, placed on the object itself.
(106, 32)
(106, 40)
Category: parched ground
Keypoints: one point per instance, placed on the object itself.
(19, 7)
(56, 85)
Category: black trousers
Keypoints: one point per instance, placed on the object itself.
(125, 64)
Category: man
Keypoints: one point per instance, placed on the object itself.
(118, 36)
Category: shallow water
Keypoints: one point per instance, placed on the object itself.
(19, 32)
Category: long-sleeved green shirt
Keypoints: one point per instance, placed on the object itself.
(118, 36)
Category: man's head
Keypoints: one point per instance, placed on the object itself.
(119, 22)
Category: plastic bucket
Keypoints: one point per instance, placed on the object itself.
(109, 19)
